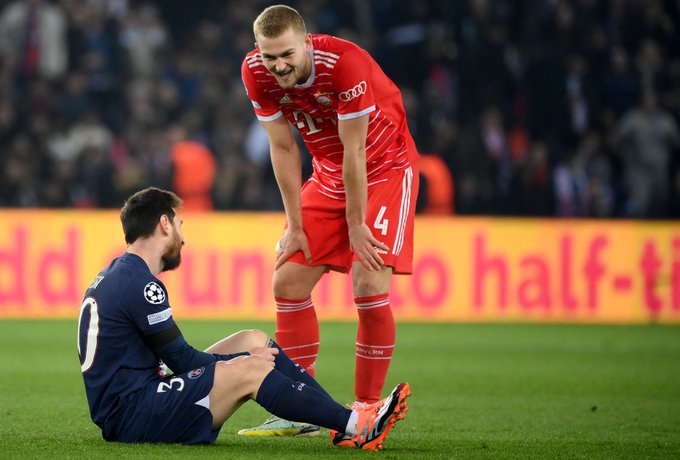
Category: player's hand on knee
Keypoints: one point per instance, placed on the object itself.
(290, 243)
(366, 247)
(265, 353)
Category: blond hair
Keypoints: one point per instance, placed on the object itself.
(276, 19)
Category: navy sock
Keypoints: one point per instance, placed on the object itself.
(287, 367)
(299, 402)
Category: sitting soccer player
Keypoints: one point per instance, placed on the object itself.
(127, 335)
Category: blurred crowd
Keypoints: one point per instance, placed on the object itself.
(537, 107)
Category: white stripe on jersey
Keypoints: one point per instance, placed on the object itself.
(378, 138)
(376, 182)
(321, 165)
(334, 193)
(276, 116)
(350, 116)
(324, 58)
(254, 57)
(335, 152)
(330, 66)
(326, 53)
(403, 210)
(384, 141)
(321, 139)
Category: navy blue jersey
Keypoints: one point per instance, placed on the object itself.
(123, 305)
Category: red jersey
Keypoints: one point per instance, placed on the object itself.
(345, 83)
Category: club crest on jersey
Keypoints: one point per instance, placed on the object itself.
(323, 99)
(196, 373)
(285, 100)
(153, 293)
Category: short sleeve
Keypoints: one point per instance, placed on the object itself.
(147, 302)
(352, 80)
(265, 108)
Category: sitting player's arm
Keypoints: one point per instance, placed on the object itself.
(170, 346)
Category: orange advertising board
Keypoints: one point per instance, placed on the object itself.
(465, 269)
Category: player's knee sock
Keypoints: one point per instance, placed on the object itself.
(297, 331)
(287, 367)
(293, 400)
(375, 343)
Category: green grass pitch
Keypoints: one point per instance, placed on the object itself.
(479, 391)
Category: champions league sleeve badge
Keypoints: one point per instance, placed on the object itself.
(153, 293)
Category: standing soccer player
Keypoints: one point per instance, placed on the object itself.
(126, 326)
(357, 209)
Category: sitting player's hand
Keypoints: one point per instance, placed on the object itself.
(266, 353)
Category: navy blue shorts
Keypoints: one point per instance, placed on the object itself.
(174, 409)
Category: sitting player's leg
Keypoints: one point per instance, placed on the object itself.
(297, 332)
(297, 328)
(245, 340)
(253, 377)
(250, 340)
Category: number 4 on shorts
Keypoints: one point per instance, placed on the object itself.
(380, 223)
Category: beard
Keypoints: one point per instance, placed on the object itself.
(172, 257)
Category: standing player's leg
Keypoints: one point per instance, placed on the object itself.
(297, 333)
(390, 214)
(375, 333)
(297, 327)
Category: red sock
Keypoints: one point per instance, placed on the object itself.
(297, 331)
(375, 343)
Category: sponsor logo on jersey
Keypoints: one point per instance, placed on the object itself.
(153, 293)
(285, 100)
(159, 317)
(196, 373)
(352, 93)
(324, 99)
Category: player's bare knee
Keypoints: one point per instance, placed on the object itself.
(282, 285)
(254, 338)
(363, 287)
(244, 373)
(367, 283)
(248, 339)
(254, 369)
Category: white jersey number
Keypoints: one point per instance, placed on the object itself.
(87, 358)
(163, 386)
(380, 223)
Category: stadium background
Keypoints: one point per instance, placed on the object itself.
(529, 109)
(549, 200)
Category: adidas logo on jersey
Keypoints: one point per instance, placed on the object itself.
(285, 100)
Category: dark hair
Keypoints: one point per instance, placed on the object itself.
(142, 211)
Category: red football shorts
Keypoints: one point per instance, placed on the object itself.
(390, 212)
